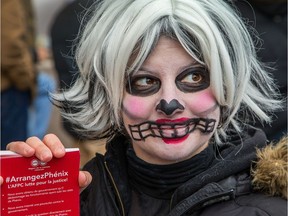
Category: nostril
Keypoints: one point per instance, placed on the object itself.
(169, 108)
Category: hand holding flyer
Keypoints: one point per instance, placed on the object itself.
(32, 187)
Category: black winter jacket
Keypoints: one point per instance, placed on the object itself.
(223, 190)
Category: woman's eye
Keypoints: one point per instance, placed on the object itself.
(143, 85)
(193, 79)
(144, 82)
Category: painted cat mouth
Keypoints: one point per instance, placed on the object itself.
(171, 130)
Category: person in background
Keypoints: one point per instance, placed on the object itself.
(28, 114)
(64, 31)
(173, 86)
(18, 73)
(40, 110)
(269, 18)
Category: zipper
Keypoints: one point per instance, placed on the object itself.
(116, 189)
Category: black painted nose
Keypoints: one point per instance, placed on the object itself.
(169, 108)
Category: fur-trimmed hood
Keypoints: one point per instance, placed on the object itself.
(270, 171)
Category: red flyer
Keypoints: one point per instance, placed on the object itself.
(34, 188)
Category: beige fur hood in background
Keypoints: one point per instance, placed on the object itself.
(270, 172)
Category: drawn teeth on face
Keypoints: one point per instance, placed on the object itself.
(179, 131)
(171, 130)
(166, 130)
(175, 131)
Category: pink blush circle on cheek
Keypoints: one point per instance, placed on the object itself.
(136, 108)
(202, 101)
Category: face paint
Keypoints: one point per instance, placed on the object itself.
(169, 108)
(191, 79)
(201, 103)
(143, 85)
(136, 108)
(171, 129)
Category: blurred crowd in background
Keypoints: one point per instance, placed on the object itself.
(37, 47)
(33, 64)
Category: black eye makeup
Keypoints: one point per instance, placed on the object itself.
(190, 80)
(143, 85)
(193, 79)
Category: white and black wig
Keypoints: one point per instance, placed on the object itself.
(122, 33)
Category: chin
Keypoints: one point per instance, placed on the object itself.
(194, 145)
(172, 157)
(158, 151)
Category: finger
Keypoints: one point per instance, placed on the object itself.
(55, 145)
(21, 148)
(42, 152)
(1, 180)
(85, 179)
